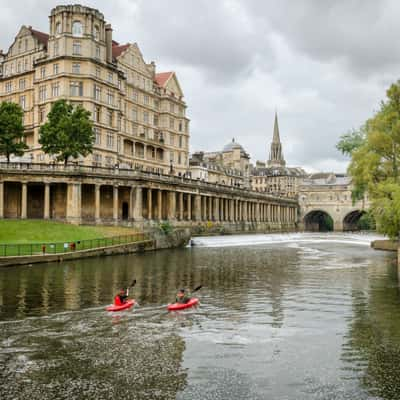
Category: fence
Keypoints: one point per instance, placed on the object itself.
(29, 249)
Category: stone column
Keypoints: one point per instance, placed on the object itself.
(197, 207)
(24, 200)
(189, 207)
(205, 201)
(1, 199)
(210, 213)
(232, 210)
(131, 203)
(74, 203)
(138, 207)
(97, 203)
(180, 206)
(159, 204)
(149, 204)
(216, 209)
(115, 203)
(171, 206)
(46, 211)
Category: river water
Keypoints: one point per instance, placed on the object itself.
(296, 316)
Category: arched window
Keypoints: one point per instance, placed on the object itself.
(96, 33)
(77, 29)
(58, 28)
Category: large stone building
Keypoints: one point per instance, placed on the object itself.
(275, 177)
(231, 166)
(139, 115)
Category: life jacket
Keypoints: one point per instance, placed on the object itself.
(117, 301)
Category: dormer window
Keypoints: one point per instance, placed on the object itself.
(77, 29)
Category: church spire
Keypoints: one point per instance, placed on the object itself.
(276, 155)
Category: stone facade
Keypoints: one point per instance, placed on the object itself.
(139, 115)
(82, 194)
(275, 177)
(329, 194)
(231, 166)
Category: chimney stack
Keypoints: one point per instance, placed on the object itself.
(109, 57)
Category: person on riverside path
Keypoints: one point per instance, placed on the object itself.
(121, 297)
(182, 297)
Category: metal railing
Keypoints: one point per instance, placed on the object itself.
(46, 248)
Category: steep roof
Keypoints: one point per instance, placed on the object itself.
(162, 78)
(41, 37)
(117, 49)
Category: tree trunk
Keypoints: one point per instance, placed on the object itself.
(8, 158)
(65, 161)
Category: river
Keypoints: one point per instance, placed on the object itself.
(291, 316)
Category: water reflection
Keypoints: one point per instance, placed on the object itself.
(296, 319)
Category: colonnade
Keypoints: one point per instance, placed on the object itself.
(99, 202)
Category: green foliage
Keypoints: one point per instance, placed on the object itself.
(351, 141)
(166, 227)
(68, 132)
(11, 130)
(375, 152)
(326, 223)
(366, 222)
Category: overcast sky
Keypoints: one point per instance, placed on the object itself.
(323, 65)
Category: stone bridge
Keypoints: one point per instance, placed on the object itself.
(321, 199)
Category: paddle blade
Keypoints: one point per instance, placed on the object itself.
(133, 283)
(196, 289)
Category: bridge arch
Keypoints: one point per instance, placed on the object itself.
(351, 220)
(318, 221)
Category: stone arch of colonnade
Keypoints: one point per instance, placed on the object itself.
(106, 202)
(318, 220)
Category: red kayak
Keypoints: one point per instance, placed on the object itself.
(124, 306)
(181, 306)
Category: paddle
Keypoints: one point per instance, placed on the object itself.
(131, 285)
(197, 288)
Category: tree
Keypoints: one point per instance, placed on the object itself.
(68, 132)
(374, 166)
(11, 130)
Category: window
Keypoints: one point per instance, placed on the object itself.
(110, 118)
(97, 135)
(135, 96)
(96, 33)
(110, 77)
(97, 92)
(42, 114)
(146, 117)
(22, 83)
(76, 88)
(8, 87)
(26, 64)
(118, 144)
(97, 159)
(98, 72)
(110, 97)
(171, 123)
(76, 48)
(155, 120)
(172, 139)
(134, 114)
(119, 84)
(58, 28)
(97, 54)
(187, 126)
(55, 89)
(96, 114)
(180, 141)
(77, 29)
(172, 107)
(19, 67)
(179, 158)
(76, 68)
(157, 104)
(26, 44)
(55, 69)
(119, 123)
(22, 102)
(146, 99)
(43, 72)
(56, 49)
(180, 126)
(42, 93)
(110, 140)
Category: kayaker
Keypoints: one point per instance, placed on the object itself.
(121, 297)
(182, 297)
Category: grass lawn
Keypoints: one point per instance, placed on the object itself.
(40, 231)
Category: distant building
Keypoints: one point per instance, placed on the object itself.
(274, 177)
(139, 115)
(231, 166)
